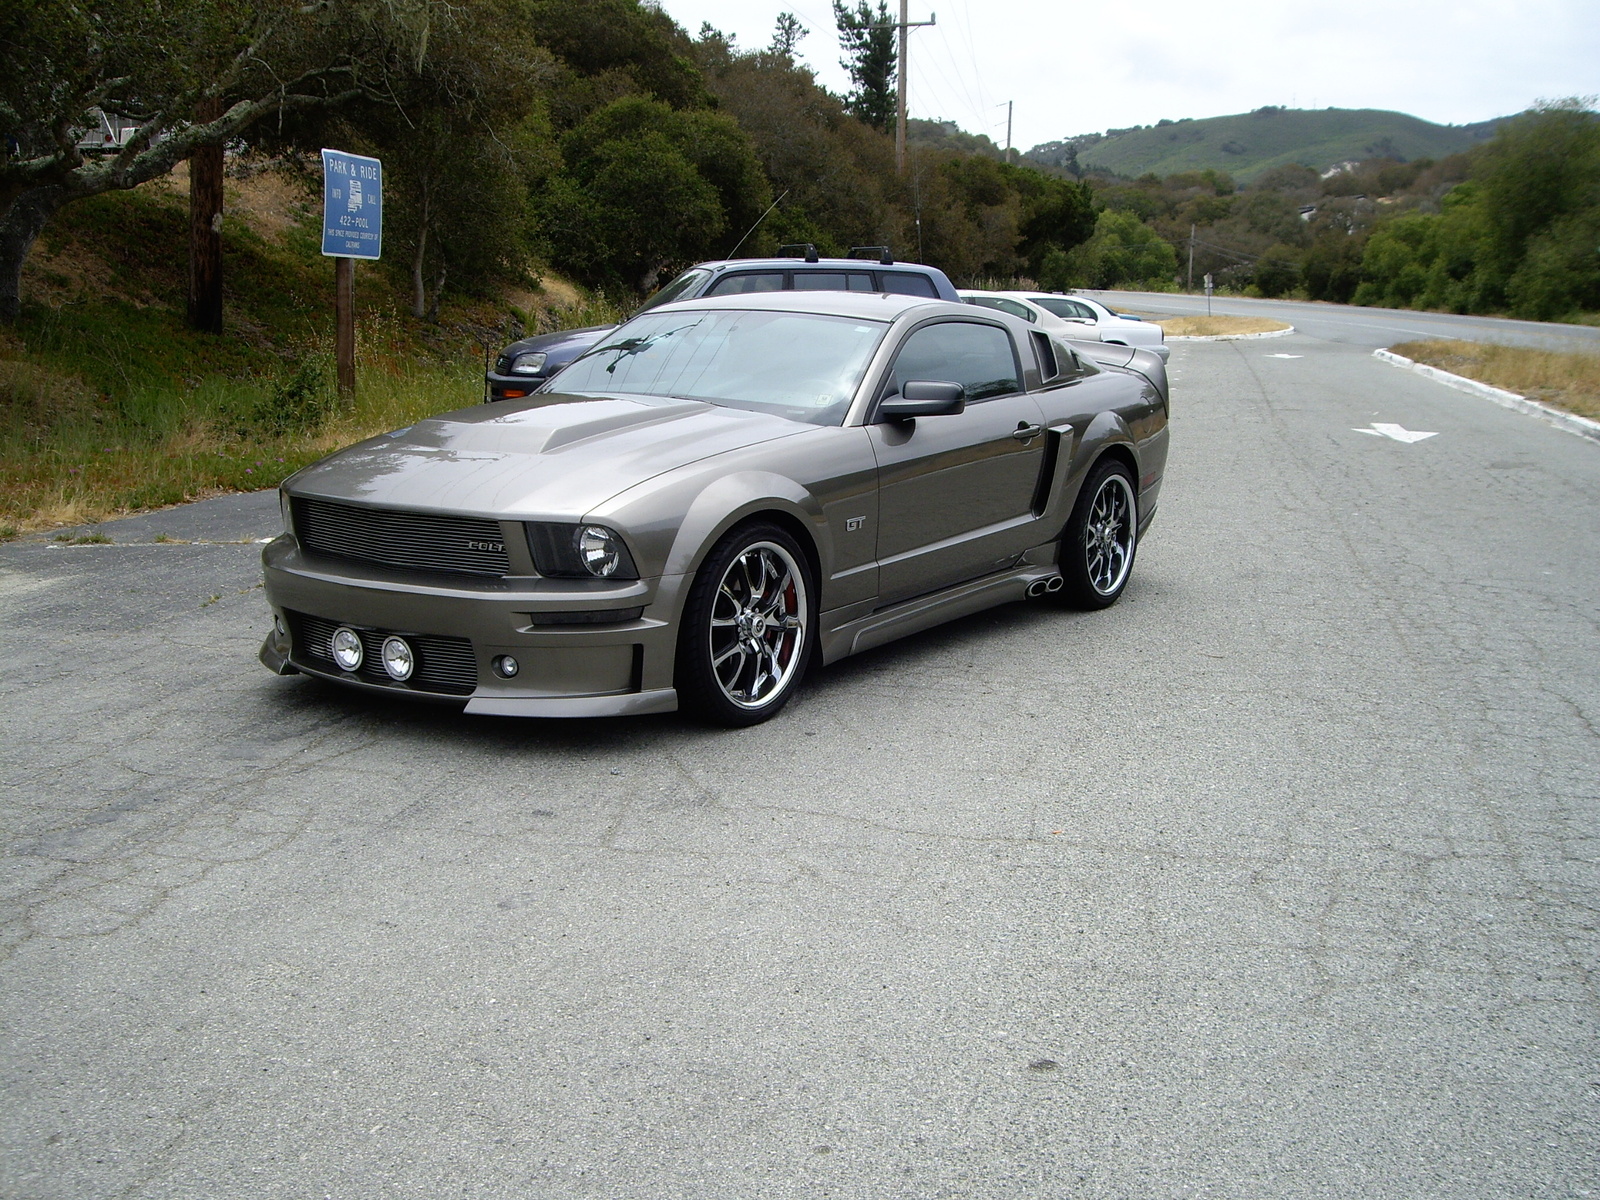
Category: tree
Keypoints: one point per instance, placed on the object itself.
(868, 40)
(462, 136)
(786, 37)
(613, 48)
(646, 190)
(64, 64)
(1124, 250)
(1277, 271)
(1538, 178)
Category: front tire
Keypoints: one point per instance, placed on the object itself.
(1098, 546)
(748, 627)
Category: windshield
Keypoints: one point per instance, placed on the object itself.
(804, 366)
(685, 285)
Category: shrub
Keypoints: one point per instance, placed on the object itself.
(297, 403)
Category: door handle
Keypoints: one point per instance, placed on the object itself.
(1026, 433)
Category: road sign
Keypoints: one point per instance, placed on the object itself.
(352, 205)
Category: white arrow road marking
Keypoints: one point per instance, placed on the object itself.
(1286, 356)
(1398, 432)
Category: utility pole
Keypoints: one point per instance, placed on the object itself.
(904, 25)
(1008, 130)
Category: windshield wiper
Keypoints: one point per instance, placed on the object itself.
(628, 347)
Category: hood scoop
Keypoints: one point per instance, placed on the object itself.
(638, 417)
(545, 428)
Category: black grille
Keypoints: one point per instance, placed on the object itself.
(443, 664)
(417, 541)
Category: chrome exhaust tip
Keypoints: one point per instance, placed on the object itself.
(1054, 584)
(1037, 588)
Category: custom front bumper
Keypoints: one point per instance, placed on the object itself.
(583, 648)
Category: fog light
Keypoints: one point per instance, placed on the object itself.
(346, 647)
(278, 627)
(398, 659)
(505, 666)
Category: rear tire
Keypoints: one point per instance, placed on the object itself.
(1101, 538)
(748, 629)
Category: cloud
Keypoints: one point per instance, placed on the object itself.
(1086, 67)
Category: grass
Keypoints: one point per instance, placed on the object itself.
(1563, 379)
(1218, 326)
(109, 404)
(168, 446)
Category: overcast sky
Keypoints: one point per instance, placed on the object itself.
(1083, 66)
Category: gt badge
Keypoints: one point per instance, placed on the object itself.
(851, 524)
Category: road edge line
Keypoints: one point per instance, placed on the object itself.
(1230, 337)
(1561, 419)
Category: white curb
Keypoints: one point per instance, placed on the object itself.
(1231, 337)
(1571, 422)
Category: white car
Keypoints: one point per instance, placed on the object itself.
(1075, 317)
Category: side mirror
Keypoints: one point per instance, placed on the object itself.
(924, 398)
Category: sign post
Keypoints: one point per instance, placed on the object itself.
(1208, 293)
(352, 228)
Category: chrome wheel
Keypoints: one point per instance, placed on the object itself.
(1108, 535)
(757, 634)
(1097, 546)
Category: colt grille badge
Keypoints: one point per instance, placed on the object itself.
(493, 547)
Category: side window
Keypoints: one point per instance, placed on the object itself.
(905, 283)
(832, 281)
(1017, 310)
(1083, 310)
(750, 281)
(978, 357)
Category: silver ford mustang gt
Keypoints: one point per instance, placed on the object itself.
(719, 493)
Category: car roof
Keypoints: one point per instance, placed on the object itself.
(1035, 295)
(834, 264)
(874, 306)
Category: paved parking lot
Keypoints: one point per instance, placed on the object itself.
(1276, 880)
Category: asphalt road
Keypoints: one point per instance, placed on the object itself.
(1279, 879)
(1366, 327)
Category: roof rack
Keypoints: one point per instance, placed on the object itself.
(885, 259)
(806, 251)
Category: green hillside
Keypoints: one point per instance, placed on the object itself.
(1247, 144)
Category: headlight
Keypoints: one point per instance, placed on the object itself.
(528, 364)
(600, 550)
(579, 551)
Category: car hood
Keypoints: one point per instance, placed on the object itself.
(551, 456)
(582, 339)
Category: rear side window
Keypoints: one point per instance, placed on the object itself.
(905, 283)
(833, 281)
(744, 284)
(978, 357)
(1063, 307)
(1001, 304)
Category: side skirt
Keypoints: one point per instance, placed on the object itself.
(924, 612)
